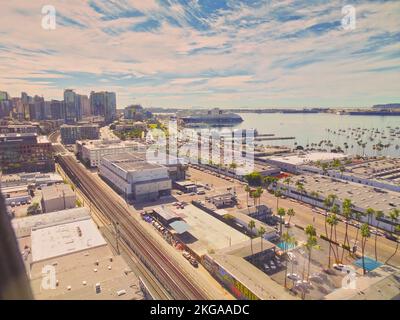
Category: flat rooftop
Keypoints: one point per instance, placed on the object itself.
(303, 158)
(110, 144)
(56, 191)
(362, 196)
(63, 239)
(253, 278)
(23, 226)
(77, 271)
(207, 233)
(244, 249)
(380, 169)
(127, 161)
(381, 284)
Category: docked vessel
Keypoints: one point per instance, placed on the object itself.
(214, 116)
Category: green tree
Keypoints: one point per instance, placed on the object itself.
(291, 213)
(394, 216)
(311, 244)
(254, 178)
(288, 241)
(378, 216)
(370, 213)
(33, 208)
(281, 213)
(247, 189)
(332, 221)
(365, 234)
(277, 194)
(261, 232)
(328, 203)
(347, 212)
(251, 226)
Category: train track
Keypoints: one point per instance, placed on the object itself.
(168, 273)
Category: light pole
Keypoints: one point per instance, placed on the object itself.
(116, 227)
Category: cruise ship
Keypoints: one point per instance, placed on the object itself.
(214, 116)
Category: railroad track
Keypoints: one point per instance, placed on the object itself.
(156, 289)
(170, 274)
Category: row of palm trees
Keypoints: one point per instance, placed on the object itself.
(332, 220)
(348, 213)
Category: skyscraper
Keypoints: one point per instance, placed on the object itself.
(72, 113)
(57, 109)
(84, 105)
(104, 104)
(4, 95)
(36, 109)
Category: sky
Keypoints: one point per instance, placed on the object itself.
(205, 53)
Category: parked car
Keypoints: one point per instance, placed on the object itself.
(293, 276)
(338, 266)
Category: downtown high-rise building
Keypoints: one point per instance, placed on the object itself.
(57, 110)
(104, 104)
(84, 105)
(4, 95)
(71, 102)
(37, 108)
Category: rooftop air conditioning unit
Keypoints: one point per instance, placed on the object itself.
(121, 292)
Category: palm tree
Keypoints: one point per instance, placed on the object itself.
(394, 215)
(332, 221)
(336, 210)
(310, 233)
(261, 232)
(358, 215)
(247, 189)
(251, 226)
(281, 213)
(288, 240)
(287, 181)
(378, 216)
(312, 243)
(300, 189)
(370, 213)
(290, 212)
(328, 203)
(259, 192)
(365, 234)
(347, 212)
(277, 194)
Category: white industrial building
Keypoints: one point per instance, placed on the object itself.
(91, 152)
(135, 178)
(293, 162)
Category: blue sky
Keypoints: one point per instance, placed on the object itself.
(183, 53)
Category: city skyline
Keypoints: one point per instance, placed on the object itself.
(205, 53)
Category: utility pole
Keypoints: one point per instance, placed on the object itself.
(116, 224)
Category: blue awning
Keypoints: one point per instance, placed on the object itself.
(179, 226)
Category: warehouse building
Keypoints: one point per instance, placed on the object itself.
(293, 162)
(135, 178)
(57, 197)
(91, 151)
(68, 259)
(318, 187)
(231, 267)
(381, 173)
